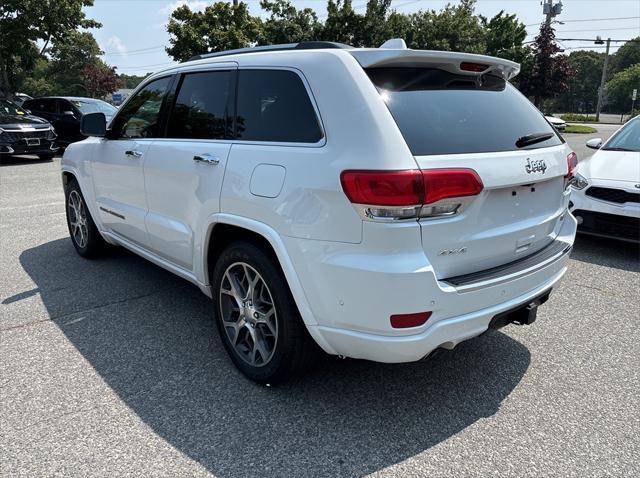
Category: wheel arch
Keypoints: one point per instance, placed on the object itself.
(225, 229)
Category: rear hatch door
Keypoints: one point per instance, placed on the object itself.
(457, 120)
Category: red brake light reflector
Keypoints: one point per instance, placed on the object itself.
(450, 183)
(572, 162)
(383, 188)
(403, 321)
(470, 66)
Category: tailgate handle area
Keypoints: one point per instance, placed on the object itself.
(524, 243)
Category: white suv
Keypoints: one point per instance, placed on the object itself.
(380, 203)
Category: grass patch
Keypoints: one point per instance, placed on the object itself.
(577, 117)
(580, 129)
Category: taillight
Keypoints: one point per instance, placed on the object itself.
(383, 188)
(450, 183)
(393, 195)
(572, 162)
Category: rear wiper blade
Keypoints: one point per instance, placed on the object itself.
(533, 139)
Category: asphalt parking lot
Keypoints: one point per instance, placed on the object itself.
(113, 367)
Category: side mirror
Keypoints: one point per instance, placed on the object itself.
(594, 143)
(69, 113)
(93, 124)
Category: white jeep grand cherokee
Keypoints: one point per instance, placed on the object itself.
(380, 203)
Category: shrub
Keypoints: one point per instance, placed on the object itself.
(577, 117)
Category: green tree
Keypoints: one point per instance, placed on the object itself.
(581, 95)
(455, 28)
(620, 87)
(221, 26)
(130, 81)
(69, 58)
(343, 24)
(504, 36)
(626, 56)
(286, 24)
(23, 22)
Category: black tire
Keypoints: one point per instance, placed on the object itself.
(46, 156)
(294, 350)
(87, 240)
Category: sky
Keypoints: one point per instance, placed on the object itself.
(133, 34)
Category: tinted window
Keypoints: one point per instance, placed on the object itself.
(43, 105)
(139, 117)
(273, 105)
(443, 113)
(201, 106)
(96, 106)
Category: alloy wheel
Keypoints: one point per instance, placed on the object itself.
(78, 219)
(248, 314)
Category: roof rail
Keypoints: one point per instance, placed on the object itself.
(304, 45)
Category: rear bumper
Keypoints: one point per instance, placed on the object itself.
(446, 333)
(353, 294)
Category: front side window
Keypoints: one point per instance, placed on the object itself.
(201, 106)
(139, 117)
(273, 105)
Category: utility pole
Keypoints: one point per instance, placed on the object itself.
(604, 76)
(551, 10)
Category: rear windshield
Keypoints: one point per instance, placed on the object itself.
(443, 113)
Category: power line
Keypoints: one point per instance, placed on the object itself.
(587, 20)
(597, 30)
(128, 52)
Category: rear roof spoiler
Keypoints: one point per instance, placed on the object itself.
(459, 63)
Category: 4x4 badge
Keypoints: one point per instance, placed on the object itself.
(537, 165)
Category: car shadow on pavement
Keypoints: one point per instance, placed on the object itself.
(607, 252)
(22, 160)
(151, 338)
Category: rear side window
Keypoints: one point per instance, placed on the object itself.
(443, 113)
(201, 107)
(273, 105)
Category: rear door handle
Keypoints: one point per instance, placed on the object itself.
(206, 158)
(133, 154)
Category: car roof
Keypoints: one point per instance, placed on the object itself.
(70, 98)
(392, 53)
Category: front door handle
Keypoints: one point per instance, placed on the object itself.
(206, 158)
(133, 154)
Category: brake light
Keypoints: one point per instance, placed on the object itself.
(409, 194)
(403, 321)
(469, 66)
(572, 162)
